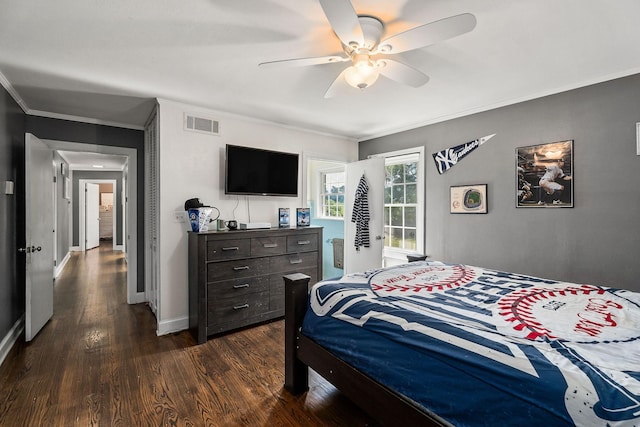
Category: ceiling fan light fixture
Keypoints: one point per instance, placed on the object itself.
(363, 73)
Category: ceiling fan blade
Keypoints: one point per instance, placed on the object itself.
(302, 62)
(338, 86)
(402, 73)
(344, 21)
(428, 34)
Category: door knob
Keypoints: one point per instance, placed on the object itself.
(378, 237)
(34, 249)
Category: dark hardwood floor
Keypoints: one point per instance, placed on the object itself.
(99, 362)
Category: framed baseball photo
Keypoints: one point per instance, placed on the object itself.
(468, 199)
(544, 175)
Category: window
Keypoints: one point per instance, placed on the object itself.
(332, 194)
(403, 207)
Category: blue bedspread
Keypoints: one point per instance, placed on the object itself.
(480, 347)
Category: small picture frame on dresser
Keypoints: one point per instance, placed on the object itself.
(283, 217)
(303, 217)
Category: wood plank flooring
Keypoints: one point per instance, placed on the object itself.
(99, 362)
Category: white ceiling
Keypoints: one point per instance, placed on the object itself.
(106, 60)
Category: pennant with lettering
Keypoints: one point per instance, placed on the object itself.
(447, 158)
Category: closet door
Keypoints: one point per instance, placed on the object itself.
(151, 159)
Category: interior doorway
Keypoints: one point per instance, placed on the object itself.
(130, 197)
(104, 212)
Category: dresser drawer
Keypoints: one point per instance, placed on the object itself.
(263, 246)
(302, 243)
(293, 262)
(236, 308)
(237, 287)
(219, 250)
(237, 269)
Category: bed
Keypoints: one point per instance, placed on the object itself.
(436, 344)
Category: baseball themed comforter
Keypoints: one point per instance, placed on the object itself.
(479, 347)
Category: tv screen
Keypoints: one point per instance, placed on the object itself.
(254, 171)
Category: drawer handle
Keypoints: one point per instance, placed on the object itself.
(243, 267)
(295, 261)
(304, 242)
(244, 285)
(270, 245)
(231, 248)
(240, 307)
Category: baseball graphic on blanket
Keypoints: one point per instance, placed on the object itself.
(578, 313)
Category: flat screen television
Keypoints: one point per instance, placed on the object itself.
(254, 171)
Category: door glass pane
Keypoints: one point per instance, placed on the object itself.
(387, 236)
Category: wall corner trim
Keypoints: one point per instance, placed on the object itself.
(172, 325)
(137, 298)
(60, 267)
(10, 339)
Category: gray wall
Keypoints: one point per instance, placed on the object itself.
(12, 296)
(117, 202)
(63, 212)
(597, 241)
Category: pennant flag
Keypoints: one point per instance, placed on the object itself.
(447, 158)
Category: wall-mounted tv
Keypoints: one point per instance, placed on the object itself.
(254, 171)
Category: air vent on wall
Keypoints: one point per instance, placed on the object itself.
(201, 124)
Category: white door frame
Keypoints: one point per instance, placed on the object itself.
(131, 210)
(82, 212)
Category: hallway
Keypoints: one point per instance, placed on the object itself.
(99, 362)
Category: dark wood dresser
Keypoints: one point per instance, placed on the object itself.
(235, 277)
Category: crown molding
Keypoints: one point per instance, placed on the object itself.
(14, 94)
(82, 119)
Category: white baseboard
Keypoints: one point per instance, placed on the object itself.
(118, 248)
(10, 339)
(137, 298)
(173, 325)
(60, 267)
(74, 249)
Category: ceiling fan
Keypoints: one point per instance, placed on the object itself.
(369, 54)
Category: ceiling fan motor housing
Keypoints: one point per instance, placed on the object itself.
(372, 30)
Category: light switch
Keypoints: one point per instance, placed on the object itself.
(180, 216)
(8, 187)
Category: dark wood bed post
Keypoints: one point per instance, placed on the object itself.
(296, 291)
